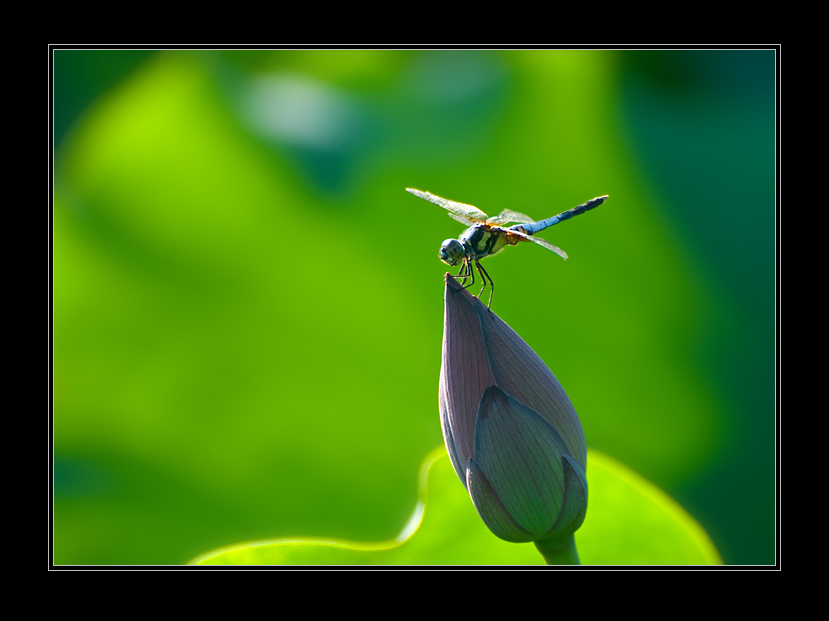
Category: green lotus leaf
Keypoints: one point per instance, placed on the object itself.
(629, 522)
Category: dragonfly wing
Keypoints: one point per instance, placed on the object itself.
(540, 242)
(465, 211)
(462, 219)
(508, 215)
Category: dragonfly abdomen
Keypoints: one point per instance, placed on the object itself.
(535, 227)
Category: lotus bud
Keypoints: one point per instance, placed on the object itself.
(512, 434)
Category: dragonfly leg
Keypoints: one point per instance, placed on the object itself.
(462, 273)
(486, 277)
(467, 272)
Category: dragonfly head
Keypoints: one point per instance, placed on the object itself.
(452, 252)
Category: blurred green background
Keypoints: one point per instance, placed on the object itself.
(248, 305)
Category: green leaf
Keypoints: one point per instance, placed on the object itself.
(629, 522)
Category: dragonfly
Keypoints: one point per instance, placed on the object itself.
(487, 236)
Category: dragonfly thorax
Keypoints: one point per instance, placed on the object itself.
(483, 241)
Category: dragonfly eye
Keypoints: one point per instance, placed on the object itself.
(452, 252)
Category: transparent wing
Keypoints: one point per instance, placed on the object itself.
(468, 212)
(540, 242)
(462, 220)
(508, 215)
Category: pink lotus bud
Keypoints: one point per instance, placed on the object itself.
(512, 434)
